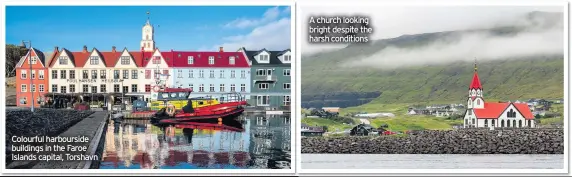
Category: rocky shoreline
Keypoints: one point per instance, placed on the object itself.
(464, 141)
(43, 122)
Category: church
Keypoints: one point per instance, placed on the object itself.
(490, 114)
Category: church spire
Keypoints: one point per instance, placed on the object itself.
(476, 83)
(475, 65)
(148, 23)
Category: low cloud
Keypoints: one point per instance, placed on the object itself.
(273, 36)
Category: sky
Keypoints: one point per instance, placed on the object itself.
(197, 28)
(394, 21)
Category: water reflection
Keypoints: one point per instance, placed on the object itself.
(255, 141)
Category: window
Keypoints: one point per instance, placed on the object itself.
(287, 72)
(287, 86)
(232, 74)
(493, 123)
(211, 88)
(470, 112)
(156, 60)
(202, 88)
(94, 60)
(221, 88)
(502, 123)
(211, 74)
(134, 88)
(211, 60)
(41, 75)
(72, 74)
(32, 88)
(263, 86)
(34, 60)
(262, 100)
(134, 74)
(125, 60)
(191, 86)
(147, 74)
(41, 88)
(513, 123)
(190, 60)
(221, 73)
(478, 102)
(93, 74)
(102, 74)
(72, 88)
(165, 71)
(269, 72)
(85, 74)
(243, 74)
(156, 74)
(231, 60)
(286, 101)
(529, 123)
(125, 89)
(190, 73)
(54, 74)
(115, 74)
(63, 89)
(511, 114)
(180, 73)
(232, 88)
(93, 89)
(125, 74)
(147, 87)
(23, 88)
(23, 74)
(486, 123)
(116, 88)
(85, 88)
(201, 73)
(287, 58)
(63, 74)
(102, 88)
(54, 88)
(63, 60)
(243, 87)
(519, 123)
(261, 72)
(33, 74)
(263, 57)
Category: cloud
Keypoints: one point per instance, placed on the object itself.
(272, 36)
(268, 16)
(393, 21)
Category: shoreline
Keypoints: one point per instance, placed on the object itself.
(465, 141)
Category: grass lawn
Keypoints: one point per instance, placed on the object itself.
(332, 125)
(550, 121)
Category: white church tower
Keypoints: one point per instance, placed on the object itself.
(147, 38)
(475, 100)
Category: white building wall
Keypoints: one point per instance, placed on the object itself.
(162, 65)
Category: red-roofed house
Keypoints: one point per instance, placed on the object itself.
(482, 114)
(31, 78)
(210, 74)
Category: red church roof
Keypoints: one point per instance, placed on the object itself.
(476, 83)
(494, 110)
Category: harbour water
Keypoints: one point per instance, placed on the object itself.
(432, 161)
(253, 141)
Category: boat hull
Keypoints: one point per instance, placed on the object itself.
(229, 113)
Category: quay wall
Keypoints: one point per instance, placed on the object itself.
(464, 141)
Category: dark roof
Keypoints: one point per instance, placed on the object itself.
(274, 60)
(304, 125)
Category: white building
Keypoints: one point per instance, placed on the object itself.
(482, 114)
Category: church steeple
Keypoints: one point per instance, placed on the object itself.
(148, 38)
(475, 91)
(476, 83)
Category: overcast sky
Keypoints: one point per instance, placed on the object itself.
(393, 21)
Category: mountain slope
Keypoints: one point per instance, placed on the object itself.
(506, 78)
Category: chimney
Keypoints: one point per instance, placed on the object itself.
(113, 49)
(56, 48)
(84, 48)
(220, 49)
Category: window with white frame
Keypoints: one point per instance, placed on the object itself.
(41, 88)
(191, 73)
(231, 60)
(23, 74)
(202, 88)
(54, 88)
(63, 60)
(72, 88)
(34, 60)
(63, 89)
(125, 60)
(41, 74)
(201, 74)
(54, 74)
(190, 60)
(264, 57)
(286, 100)
(221, 88)
(263, 86)
(94, 60)
(63, 74)
(211, 74)
(180, 73)
(262, 100)
(232, 88)
(232, 74)
(211, 60)
(287, 86)
(286, 72)
(134, 74)
(211, 88)
(221, 73)
(243, 74)
(23, 88)
(33, 88)
(243, 87)
(287, 58)
(33, 74)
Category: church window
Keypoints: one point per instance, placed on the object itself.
(466, 121)
(478, 102)
(514, 123)
(508, 123)
(511, 113)
(147, 37)
(502, 123)
(529, 123)
(486, 123)
(473, 121)
(520, 123)
(493, 123)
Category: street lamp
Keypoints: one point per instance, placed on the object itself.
(23, 44)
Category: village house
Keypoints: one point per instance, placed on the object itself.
(311, 131)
